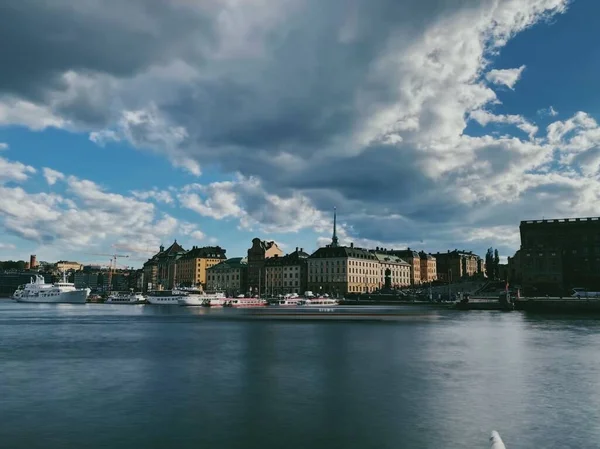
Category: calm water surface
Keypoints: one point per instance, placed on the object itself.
(119, 376)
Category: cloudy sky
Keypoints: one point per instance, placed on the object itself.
(434, 124)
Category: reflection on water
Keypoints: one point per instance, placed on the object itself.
(124, 376)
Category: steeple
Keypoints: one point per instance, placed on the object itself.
(334, 239)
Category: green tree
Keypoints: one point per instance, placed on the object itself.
(489, 263)
(496, 265)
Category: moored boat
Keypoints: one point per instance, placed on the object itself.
(245, 302)
(320, 302)
(125, 298)
(165, 297)
(38, 291)
(204, 299)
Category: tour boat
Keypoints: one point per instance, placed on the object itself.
(319, 302)
(125, 298)
(165, 297)
(61, 292)
(291, 302)
(245, 302)
(203, 299)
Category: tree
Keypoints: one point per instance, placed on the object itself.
(489, 263)
(496, 265)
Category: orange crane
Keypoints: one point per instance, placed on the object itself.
(112, 266)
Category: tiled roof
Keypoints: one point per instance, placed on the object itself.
(207, 252)
(294, 258)
(390, 258)
(342, 251)
(230, 264)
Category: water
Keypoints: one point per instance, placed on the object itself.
(120, 376)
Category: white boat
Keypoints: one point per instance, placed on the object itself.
(297, 301)
(318, 302)
(165, 297)
(204, 299)
(61, 292)
(125, 298)
(245, 302)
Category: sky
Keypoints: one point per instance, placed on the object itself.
(429, 124)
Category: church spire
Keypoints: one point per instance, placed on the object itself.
(334, 239)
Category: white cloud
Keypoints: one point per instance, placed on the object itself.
(7, 246)
(104, 136)
(87, 219)
(14, 171)
(3, 146)
(245, 199)
(550, 111)
(485, 117)
(160, 196)
(52, 175)
(506, 77)
(35, 117)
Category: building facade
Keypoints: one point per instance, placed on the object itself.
(558, 255)
(412, 258)
(428, 267)
(339, 270)
(229, 276)
(150, 270)
(259, 252)
(160, 271)
(454, 265)
(287, 274)
(65, 265)
(399, 270)
(192, 266)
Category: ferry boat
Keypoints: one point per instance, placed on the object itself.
(290, 302)
(245, 302)
(320, 302)
(125, 298)
(38, 291)
(204, 299)
(165, 297)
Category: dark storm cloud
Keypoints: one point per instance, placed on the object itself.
(39, 41)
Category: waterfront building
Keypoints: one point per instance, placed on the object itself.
(259, 252)
(160, 271)
(412, 258)
(229, 276)
(454, 265)
(150, 269)
(428, 267)
(192, 266)
(399, 270)
(65, 265)
(339, 270)
(557, 255)
(33, 263)
(287, 274)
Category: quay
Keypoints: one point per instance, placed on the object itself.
(558, 305)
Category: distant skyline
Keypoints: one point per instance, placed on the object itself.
(433, 125)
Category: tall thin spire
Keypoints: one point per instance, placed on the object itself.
(334, 239)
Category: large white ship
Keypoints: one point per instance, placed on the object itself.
(61, 292)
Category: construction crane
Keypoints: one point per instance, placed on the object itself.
(112, 266)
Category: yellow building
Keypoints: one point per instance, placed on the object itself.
(338, 270)
(428, 267)
(65, 265)
(192, 266)
(399, 270)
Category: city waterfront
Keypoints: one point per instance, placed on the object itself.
(100, 375)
